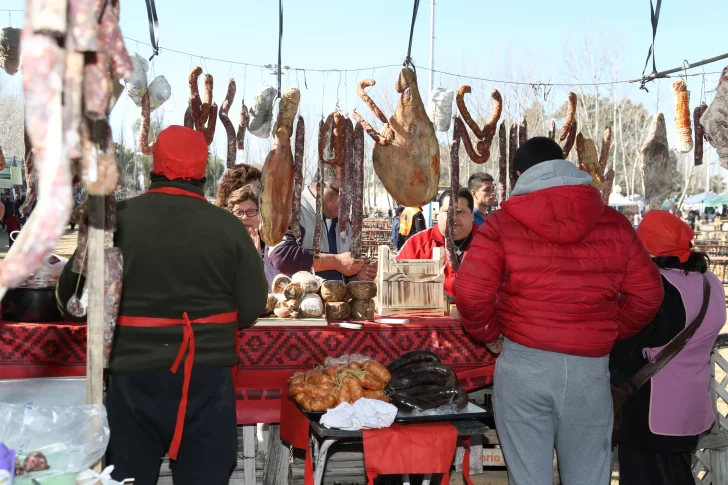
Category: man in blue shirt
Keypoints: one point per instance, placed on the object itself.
(480, 184)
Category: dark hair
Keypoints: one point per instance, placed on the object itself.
(478, 179)
(398, 210)
(243, 194)
(464, 194)
(234, 179)
(536, 150)
(697, 263)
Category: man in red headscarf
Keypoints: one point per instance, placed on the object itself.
(192, 278)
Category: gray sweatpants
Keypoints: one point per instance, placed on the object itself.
(544, 400)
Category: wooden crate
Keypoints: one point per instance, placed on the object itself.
(410, 287)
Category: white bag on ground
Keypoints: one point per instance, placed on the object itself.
(261, 113)
(10, 49)
(441, 103)
(159, 92)
(136, 83)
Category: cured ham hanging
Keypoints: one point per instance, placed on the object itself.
(276, 196)
(406, 154)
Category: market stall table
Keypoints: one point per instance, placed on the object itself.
(269, 355)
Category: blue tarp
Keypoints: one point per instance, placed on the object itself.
(700, 198)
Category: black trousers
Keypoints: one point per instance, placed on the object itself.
(142, 410)
(644, 467)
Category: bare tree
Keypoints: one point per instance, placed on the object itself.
(11, 120)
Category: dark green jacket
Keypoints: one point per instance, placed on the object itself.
(181, 254)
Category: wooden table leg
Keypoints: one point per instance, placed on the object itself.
(249, 451)
(276, 463)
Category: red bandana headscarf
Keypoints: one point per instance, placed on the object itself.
(664, 234)
(180, 153)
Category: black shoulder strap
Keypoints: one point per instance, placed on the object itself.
(676, 345)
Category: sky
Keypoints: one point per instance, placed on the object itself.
(478, 38)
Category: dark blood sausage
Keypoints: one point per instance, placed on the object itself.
(523, 132)
(319, 198)
(29, 167)
(699, 133)
(189, 121)
(423, 373)
(357, 187)
(552, 130)
(229, 128)
(113, 276)
(403, 403)
(431, 396)
(346, 175)
(502, 164)
(242, 126)
(298, 177)
(412, 358)
(454, 189)
(512, 147)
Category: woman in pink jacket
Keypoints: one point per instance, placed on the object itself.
(661, 422)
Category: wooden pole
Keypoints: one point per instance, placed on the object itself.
(95, 320)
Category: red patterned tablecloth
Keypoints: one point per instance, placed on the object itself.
(269, 355)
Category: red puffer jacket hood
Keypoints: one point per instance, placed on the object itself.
(555, 201)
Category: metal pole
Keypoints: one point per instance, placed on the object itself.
(432, 49)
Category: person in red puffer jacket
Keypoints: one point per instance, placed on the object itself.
(557, 276)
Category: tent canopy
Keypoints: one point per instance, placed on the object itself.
(700, 198)
(618, 200)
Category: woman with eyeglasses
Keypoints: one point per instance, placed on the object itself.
(243, 203)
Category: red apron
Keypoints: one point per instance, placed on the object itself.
(188, 339)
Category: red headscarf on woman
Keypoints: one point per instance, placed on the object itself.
(664, 234)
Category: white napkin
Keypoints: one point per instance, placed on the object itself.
(90, 477)
(364, 413)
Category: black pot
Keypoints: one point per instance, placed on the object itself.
(30, 305)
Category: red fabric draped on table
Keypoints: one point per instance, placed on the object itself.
(269, 355)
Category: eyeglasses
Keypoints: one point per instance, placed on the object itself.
(249, 213)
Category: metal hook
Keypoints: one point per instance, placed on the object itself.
(346, 92)
(245, 79)
(338, 87)
(230, 70)
(323, 93)
(684, 74)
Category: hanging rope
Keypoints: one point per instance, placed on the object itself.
(280, 43)
(153, 27)
(408, 60)
(655, 18)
